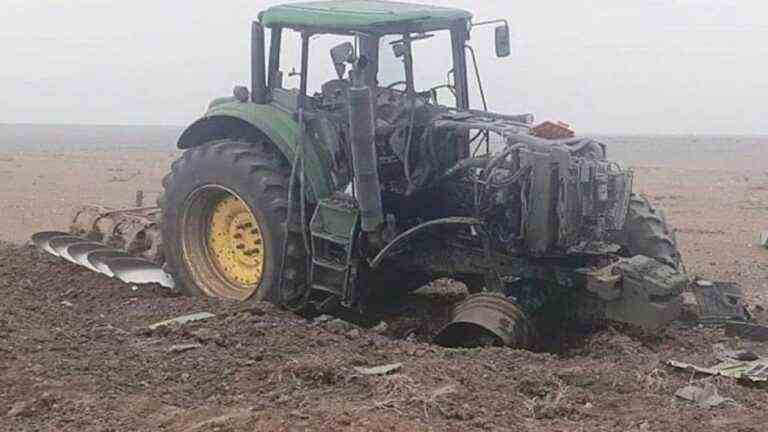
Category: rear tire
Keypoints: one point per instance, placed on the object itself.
(646, 232)
(239, 191)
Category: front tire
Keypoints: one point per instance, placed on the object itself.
(646, 232)
(224, 211)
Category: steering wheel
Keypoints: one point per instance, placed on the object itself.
(424, 96)
(396, 84)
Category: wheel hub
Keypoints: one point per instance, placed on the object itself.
(235, 242)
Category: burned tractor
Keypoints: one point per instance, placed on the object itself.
(370, 189)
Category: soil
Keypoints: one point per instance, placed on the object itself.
(76, 352)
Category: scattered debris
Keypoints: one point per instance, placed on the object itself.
(21, 409)
(719, 302)
(183, 320)
(753, 332)
(740, 355)
(30, 408)
(323, 319)
(764, 239)
(178, 349)
(380, 328)
(338, 326)
(706, 397)
(67, 304)
(758, 314)
(690, 309)
(206, 335)
(756, 371)
(379, 370)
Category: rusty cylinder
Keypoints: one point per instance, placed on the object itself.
(364, 159)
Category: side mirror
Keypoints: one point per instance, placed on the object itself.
(341, 55)
(503, 44)
(398, 50)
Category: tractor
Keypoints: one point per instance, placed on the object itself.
(377, 183)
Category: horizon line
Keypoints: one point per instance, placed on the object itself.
(587, 133)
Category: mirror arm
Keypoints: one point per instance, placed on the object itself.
(496, 21)
(477, 76)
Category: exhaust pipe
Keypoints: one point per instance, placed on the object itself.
(258, 65)
(364, 160)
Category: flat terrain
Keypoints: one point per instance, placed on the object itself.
(75, 353)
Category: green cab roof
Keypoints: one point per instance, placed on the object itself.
(376, 16)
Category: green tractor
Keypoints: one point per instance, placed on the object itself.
(376, 184)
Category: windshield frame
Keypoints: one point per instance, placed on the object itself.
(369, 46)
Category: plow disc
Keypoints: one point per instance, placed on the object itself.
(122, 244)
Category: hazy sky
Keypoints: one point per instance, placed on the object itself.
(671, 66)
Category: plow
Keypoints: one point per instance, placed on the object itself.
(375, 185)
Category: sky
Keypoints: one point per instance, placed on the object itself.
(604, 66)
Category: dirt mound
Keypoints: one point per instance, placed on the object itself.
(76, 354)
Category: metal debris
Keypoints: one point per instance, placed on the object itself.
(753, 332)
(323, 319)
(178, 349)
(379, 370)
(486, 319)
(756, 371)
(706, 397)
(183, 319)
(719, 302)
(740, 355)
(380, 328)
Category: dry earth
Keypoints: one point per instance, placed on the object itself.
(75, 353)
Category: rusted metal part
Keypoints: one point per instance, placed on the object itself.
(134, 230)
(553, 130)
(486, 319)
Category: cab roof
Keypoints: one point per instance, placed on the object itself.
(374, 16)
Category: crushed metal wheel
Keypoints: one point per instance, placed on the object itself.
(486, 319)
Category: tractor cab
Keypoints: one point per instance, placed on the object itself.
(380, 37)
(319, 50)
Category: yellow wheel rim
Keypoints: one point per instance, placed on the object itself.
(235, 243)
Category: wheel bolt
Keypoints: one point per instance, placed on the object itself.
(241, 246)
(238, 236)
(248, 225)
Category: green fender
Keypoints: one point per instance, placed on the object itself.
(278, 125)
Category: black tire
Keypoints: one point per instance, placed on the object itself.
(646, 232)
(258, 175)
